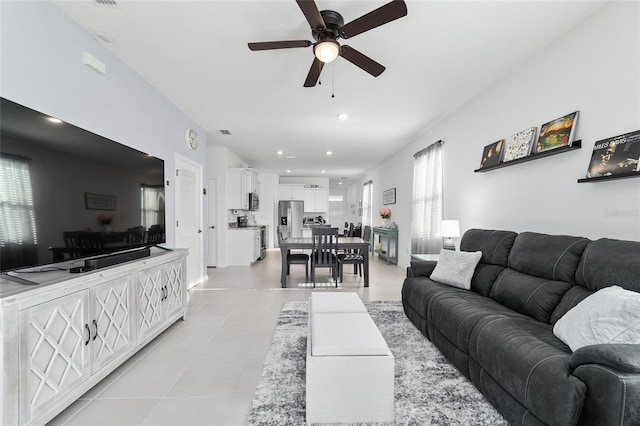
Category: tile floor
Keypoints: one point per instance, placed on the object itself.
(203, 371)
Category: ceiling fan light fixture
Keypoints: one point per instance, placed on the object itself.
(326, 50)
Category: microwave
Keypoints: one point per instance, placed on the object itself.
(254, 201)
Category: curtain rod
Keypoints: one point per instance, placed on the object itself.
(422, 151)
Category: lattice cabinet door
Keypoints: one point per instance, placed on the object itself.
(150, 295)
(110, 321)
(174, 287)
(54, 352)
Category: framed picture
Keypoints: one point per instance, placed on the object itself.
(99, 201)
(389, 196)
(519, 145)
(616, 155)
(492, 154)
(557, 133)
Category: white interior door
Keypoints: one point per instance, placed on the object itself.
(212, 234)
(189, 216)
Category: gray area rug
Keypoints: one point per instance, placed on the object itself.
(428, 390)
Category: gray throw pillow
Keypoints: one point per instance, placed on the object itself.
(456, 268)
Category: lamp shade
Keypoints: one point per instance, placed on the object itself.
(450, 228)
(326, 50)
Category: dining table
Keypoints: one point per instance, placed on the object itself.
(344, 243)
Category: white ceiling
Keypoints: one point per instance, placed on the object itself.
(438, 57)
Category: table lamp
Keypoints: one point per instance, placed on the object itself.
(449, 229)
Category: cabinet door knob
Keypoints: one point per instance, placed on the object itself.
(95, 323)
(88, 334)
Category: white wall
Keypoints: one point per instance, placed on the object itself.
(42, 69)
(594, 68)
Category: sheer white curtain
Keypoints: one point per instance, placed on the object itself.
(427, 200)
(152, 200)
(17, 216)
(367, 216)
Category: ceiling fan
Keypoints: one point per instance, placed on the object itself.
(327, 27)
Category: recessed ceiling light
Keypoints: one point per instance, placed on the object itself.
(343, 116)
(329, 152)
(288, 171)
(323, 171)
(54, 120)
(290, 157)
(279, 152)
(339, 183)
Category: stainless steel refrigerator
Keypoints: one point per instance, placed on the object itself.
(290, 216)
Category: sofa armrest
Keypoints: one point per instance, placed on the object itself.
(624, 358)
(421, 268)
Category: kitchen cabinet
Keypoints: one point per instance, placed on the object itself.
(316, 200)
(238, 186)
(291, 192)
(62, 336)
(243, 246)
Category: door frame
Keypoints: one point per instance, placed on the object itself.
(201, 275)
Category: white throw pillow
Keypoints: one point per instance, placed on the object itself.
(610, 315)
(456, 268)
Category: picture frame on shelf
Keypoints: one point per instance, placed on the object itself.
(557, 133)
(389, 196)
(519, 144)
(492, 154)
(99, 201)
(615, 156)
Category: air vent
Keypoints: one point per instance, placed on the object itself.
(107, 3)
(225, 132)
(290, 157)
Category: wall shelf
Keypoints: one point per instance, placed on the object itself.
(611, 177)
(575, 145)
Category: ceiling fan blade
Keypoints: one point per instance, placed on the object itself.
(382, 15)
(270, 45)
(311, 12)
(362, 61)
(314, 73)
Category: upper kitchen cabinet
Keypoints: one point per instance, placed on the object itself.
(316, 200)
(291, 192)
(238, 187)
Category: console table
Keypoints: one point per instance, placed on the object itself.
(390, 235)
(65, 333)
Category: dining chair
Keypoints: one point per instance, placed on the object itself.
(295, 258)
(91, 243)
(324, 251)
(135, 235)
(155, 234)
(351, 257)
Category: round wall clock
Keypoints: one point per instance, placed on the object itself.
(191, 137)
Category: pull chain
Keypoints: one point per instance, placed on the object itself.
(333, 75)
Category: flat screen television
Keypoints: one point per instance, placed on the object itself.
(66, 193)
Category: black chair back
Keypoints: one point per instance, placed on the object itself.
(325, 244)
(135, 235)
(366, 234)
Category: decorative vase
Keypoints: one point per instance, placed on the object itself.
(106, 228)
(385, 223)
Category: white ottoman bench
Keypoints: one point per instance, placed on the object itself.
(350, 370)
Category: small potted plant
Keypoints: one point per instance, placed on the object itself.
(105, 219)
(385, 214)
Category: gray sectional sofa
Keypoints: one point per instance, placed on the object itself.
(499, 333)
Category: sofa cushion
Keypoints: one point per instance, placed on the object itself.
(554, 257)
(571, 298)
(494, 245)
(610, 315)
(531, 364)
(609, 262)
(456, 314)
(529, 295)
(456, 268)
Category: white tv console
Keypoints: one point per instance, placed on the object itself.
(62, 336)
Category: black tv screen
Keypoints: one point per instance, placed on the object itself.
(66, 193)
